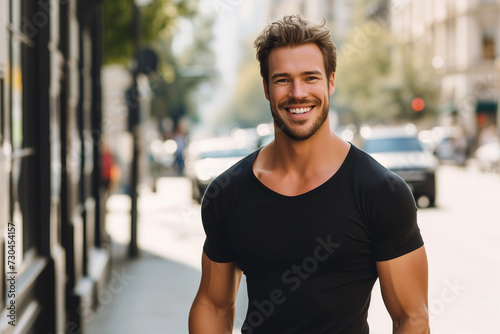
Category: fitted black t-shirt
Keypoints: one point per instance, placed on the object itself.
(310, 259)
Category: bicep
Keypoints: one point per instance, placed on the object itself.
(404, 284)
(219, 283)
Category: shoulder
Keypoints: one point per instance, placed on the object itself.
(370, 172)
(224, 187)
(388, 208)
(378, 187)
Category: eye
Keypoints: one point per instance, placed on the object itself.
(281, 80)
(311, 78)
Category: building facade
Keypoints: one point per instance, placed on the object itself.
(461, 37)
(337, 13)
(54, 253)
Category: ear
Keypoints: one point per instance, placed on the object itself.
(332, 83)
(266, 90)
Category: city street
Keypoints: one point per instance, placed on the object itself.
(462, 236)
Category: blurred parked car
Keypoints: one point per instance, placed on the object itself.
(488, 156)
(208, 158)
(401, 151)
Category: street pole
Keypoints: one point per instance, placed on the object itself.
(497, 64)
(135, 126)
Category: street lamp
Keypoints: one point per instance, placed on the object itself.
(134, 112)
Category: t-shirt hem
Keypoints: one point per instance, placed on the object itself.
(400, 252)
(216, 258)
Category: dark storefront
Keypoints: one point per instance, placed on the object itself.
(53, 246)
(486, 112)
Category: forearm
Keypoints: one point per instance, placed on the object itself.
(208, 319)
(415, 325)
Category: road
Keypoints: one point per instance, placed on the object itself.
(462, 237)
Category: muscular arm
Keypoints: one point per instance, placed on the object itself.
(403, 282)
(213, 307)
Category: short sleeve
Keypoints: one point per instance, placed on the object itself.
(217, 245)
(395, 229)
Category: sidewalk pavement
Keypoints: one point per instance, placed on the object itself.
(150, 294)
(153, 292)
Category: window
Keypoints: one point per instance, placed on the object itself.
(489, 43)
(21, 108)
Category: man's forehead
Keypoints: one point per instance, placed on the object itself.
(296, 59)
(308, 47)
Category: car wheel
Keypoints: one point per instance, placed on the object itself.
(432, 201)
(432, 193)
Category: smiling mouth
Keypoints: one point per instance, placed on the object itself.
(298, 111)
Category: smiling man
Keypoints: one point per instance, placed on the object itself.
(311, 220)
(302, 94)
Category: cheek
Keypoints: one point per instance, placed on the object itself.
(276, 94)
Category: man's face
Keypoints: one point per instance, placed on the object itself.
(298, 90)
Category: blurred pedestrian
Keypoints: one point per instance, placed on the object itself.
(180, 140)
(310, 219)
(110, 171)
(460, 146)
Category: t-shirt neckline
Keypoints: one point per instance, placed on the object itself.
(307, 193)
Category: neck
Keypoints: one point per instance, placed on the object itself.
(310, 155)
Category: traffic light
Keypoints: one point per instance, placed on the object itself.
(418, 104)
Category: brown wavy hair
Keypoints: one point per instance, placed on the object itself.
(292, 31)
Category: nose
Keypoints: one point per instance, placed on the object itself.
(298, 90)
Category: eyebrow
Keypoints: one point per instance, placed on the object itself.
(286, 75)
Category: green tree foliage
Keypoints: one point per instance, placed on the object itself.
(377, 78)
(177, 75)
(180, 74)
(416, 78)
(363, 77)
(249, 106)
(157, 18)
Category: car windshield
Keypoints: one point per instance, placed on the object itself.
(395, 144)
(227, 153)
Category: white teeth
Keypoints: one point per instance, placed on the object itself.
(299, 110)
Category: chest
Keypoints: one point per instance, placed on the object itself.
(280, 234)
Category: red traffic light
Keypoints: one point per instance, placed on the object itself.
(418, 104)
